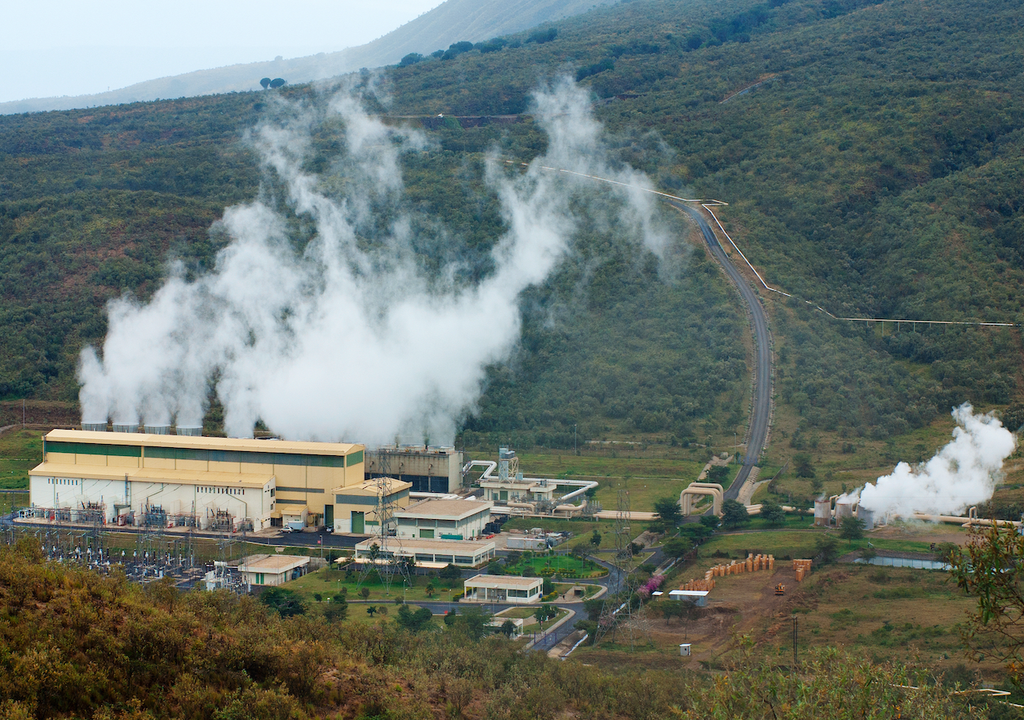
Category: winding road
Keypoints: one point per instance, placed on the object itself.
(760, 412)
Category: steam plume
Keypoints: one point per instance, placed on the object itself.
(963, 473)
(347, 338)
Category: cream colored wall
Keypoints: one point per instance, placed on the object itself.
(158, 463)
(125, 462)
(61, 458)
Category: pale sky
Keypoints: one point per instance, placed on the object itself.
(78, 47)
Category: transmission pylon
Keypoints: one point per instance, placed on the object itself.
(614, 604)
(385, 560)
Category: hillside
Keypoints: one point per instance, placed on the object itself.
(77, 645)
(875, 171)
(452, 21)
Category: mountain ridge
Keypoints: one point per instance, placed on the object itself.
(450, 22)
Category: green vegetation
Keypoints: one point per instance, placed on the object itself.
(20, 451)
(894, 167)
(555, 565)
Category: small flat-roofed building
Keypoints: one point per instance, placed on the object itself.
(443, 519)
(355, 506)
(272, 569)
(432, 554)
(503, 588)
(697, 597)
(211, 483)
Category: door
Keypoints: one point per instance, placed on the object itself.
(358, 522)
(329, 516)
(426, 534)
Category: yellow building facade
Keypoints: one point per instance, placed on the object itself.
(191, 480)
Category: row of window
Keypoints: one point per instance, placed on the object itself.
(220, 490)
(62, 481)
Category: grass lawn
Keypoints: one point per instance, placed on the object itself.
(561, 564)
(10, 501)
(20, 451)
(582, 530)
(327, 584)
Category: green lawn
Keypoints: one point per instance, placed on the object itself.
(327, 584)
(560, 564)
(20, 451)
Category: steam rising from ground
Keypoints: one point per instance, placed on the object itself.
(347, 339)
(963, 473)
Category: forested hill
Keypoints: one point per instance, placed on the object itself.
(874, 168)
(450, 22)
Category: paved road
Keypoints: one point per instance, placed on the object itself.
(758, 431)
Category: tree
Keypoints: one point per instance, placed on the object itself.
(852, 528)
(371, 610)
(548, 586)
(802, 463)
(430, 590)
(277, 82)
(718, 474)
(773, 513)
(410, 59)
(414, 620)
(450, 572)
(668, 510)
(545, 612)
(364, 593)
(991, 567)
(595, 539)
(265, 82)
(336, 611)
(285, 602)
(677, 547)
(709, 521)
(508, 628)
(827, 547)
(734, 513)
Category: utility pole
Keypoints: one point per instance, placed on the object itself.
(575, 450)
(795, 639)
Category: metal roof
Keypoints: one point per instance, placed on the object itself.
(205, 443)
(504, 581)
(455, 547)
(448, 509)
(273, 563)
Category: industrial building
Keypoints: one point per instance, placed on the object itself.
(503, 588)
(443, 519)
(272, 569)
(159, 479)
(357, 508)
(427, 469)
(431, 554)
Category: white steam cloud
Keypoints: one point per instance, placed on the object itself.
(348, 339)
(963, 473)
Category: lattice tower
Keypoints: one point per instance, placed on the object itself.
(385, 561)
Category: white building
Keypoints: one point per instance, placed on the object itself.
(433, 554)
(272, 569)
(503, 588)
(443, 519)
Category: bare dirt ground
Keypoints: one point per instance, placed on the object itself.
(739, 604)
